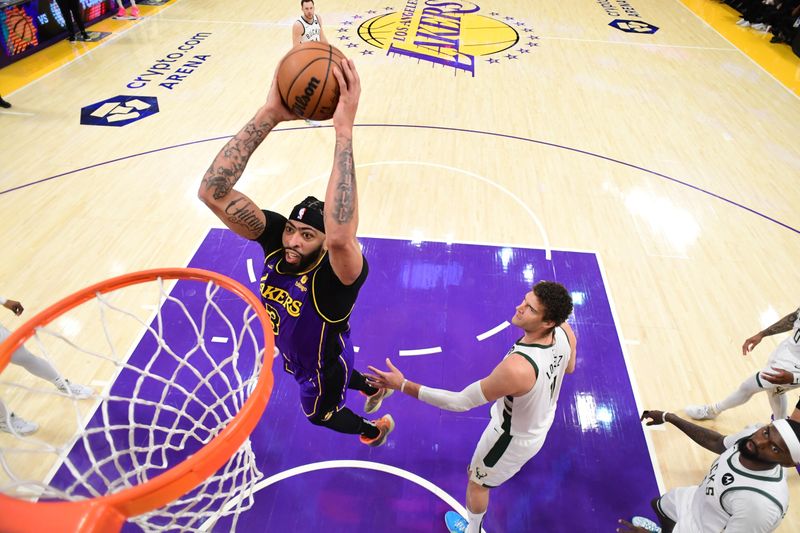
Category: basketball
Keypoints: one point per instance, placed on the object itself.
(306, 81)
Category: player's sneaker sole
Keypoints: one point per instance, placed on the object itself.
(455, 522)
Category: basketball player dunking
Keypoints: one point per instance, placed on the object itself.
(309, 26)
(313, 267)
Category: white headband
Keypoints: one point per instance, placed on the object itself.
(790, 438)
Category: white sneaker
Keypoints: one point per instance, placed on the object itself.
(76, 390)
(646, 524)
(760, 27)
(743, 23)
(374, 402)
(701, 412)
(17, 425)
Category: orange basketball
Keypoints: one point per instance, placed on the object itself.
(306, 81)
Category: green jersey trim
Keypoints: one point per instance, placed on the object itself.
(753, 476)
(752, 489)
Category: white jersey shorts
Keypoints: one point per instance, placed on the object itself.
(677, 504)
(498, 456)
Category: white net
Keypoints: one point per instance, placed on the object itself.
(169, 369)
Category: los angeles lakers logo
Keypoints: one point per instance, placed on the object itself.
(456, 35)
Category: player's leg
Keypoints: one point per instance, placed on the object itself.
(778, 403)
(11, 423)
(675, 505)
(323, 404)
(66, 12)
(77, 13)
(374, 395)
(497, 458)
(40, 367)
(667, 524)
(477, 504)
(741, 395)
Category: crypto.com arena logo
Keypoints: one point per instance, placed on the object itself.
(633, 26)
(119, 110)
(452, 34)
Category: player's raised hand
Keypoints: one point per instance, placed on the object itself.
(274, 107)
(14, 306)
(751, 343)
(385, 379)
(349, 95)
(656, 417)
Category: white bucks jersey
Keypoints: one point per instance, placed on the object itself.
(727, 477)
(793, 341)
(531, 415)
(310, 31)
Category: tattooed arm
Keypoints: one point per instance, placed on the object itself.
(781, 326)
(233, 208)
(341, 198)
(707, 438)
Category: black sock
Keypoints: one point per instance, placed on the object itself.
(359, 382)
(346, 421)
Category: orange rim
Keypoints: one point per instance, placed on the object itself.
(109, 512)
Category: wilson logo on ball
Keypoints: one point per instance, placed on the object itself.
(306, 80)
(301, 101)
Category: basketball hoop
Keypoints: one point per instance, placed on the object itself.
(166, 445)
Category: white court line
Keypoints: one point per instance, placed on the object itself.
(502, 189)
(236, 22)
(221, 340)
(631, 378)
(324, 465)
(493, 331)
(250, 273)
(19, 113)
(421, 351)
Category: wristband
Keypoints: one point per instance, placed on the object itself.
(403, 385)
(664, 417)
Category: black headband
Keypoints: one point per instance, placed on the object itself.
(310, 211)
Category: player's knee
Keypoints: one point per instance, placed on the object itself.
(320, 419)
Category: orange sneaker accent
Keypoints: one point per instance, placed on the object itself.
(385, 425)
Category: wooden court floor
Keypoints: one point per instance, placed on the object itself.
(672, 155)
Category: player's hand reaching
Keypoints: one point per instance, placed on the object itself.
(778, 376)
(349, 94)
(14, 306)
(751, 343)
(656, 417)
(388, 379)
(275, 109)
